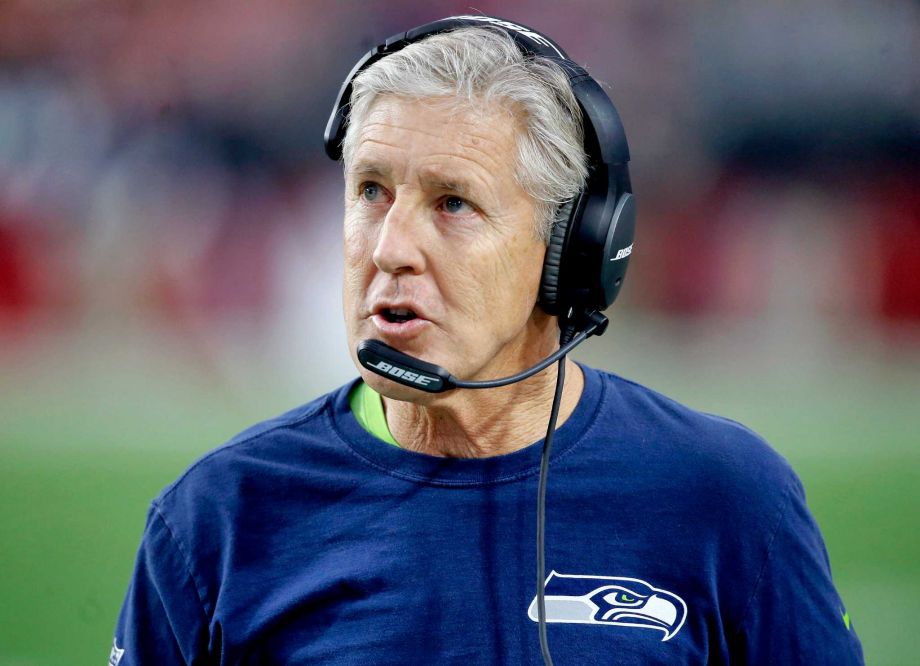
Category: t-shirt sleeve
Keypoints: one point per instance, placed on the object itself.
(795, 615)
(162, 621)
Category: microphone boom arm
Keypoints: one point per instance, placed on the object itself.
(393, 364)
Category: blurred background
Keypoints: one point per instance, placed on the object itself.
(170, 260)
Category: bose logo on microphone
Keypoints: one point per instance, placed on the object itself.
(406, 375)
(622, 254)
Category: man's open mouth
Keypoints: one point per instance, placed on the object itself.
(397, 315)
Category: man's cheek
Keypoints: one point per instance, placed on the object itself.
(356, 245)
(353, 292)
(359, 268)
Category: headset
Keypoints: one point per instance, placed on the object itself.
(586, 257)
(592, 237)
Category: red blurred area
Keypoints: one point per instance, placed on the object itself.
(898, 226)
(154, 156)
(39, 281)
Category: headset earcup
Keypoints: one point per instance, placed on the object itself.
(552, 263)
(618, 247)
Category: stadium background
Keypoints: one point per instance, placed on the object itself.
(169, 260)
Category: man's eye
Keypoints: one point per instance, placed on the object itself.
(370, 191)
(456, 205)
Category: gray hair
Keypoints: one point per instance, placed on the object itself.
(483, 66)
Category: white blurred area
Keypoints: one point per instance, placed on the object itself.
(165, 203)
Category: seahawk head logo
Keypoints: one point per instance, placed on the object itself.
(626, 602)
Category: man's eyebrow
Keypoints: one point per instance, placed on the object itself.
(431, 179)
(438, 179)
(450, 185)
(369, 169)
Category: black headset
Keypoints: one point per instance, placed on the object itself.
(592, 236)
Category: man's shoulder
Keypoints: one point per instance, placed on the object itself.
(259, 450)
(686, 442)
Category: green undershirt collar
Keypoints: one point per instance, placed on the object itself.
(367, 406)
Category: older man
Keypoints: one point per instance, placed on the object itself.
(385, 524)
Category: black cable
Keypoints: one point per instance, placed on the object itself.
(541, 513)
(558, 355)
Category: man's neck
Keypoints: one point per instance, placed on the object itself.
(483, 423)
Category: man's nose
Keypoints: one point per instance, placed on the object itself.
(399, 244)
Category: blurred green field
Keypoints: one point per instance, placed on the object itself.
(86, 445)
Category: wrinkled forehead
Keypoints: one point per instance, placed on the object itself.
(454, 114)
(446, 141)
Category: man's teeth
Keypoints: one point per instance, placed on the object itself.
(400, 312)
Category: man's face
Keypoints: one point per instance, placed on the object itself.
(441, 258)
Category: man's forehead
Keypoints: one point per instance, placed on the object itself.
(440, 144)
(459, 109)
(437, 124)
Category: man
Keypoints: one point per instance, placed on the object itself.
(400, 529)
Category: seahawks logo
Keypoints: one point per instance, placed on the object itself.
(625, 602)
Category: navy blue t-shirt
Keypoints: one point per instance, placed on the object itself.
(673, 537)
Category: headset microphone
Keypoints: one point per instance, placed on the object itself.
(395, 365)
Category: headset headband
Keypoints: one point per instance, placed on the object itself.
(600, 115)
(592, 238)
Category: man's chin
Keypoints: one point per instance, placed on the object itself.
(396, 391)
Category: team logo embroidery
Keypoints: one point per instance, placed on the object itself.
(625, 602)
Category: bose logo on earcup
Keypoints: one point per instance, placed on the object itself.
(622, 254)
